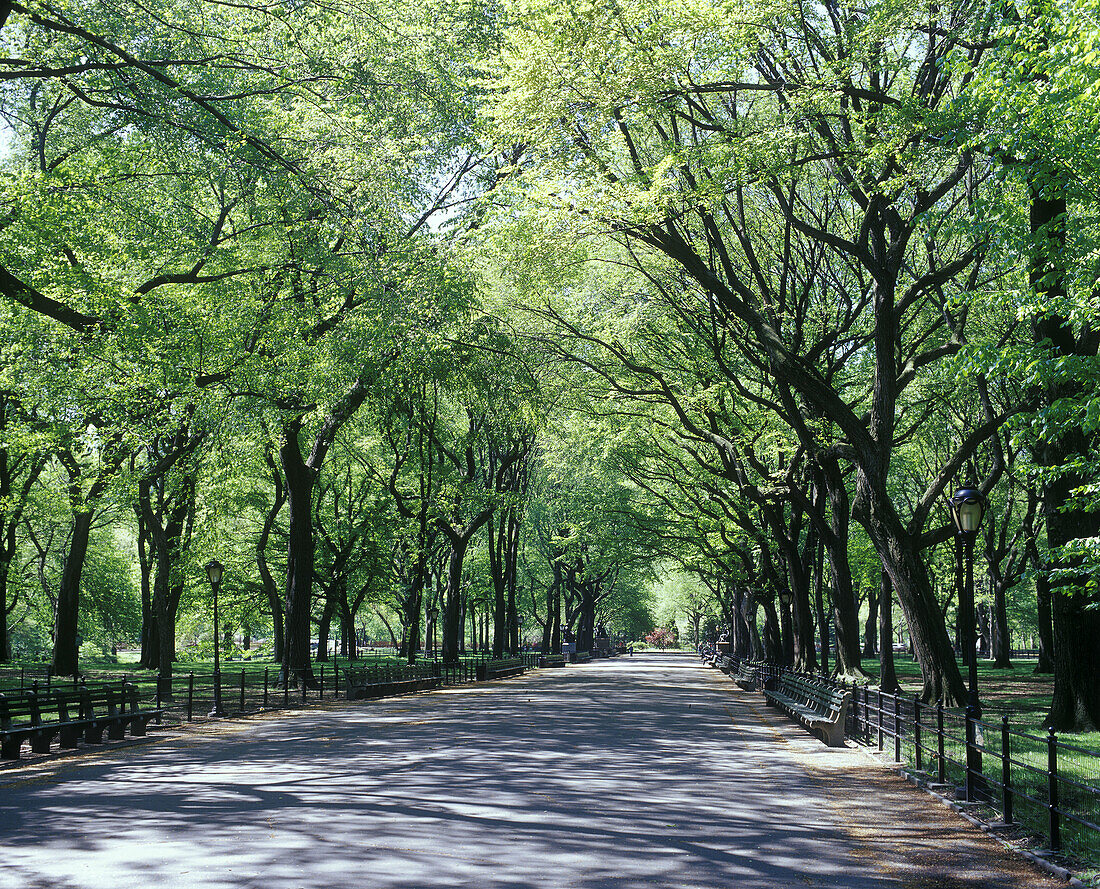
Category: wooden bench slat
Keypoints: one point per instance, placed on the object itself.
(817, 704)
(71, 714)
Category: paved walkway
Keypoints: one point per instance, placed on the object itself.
(643, 772)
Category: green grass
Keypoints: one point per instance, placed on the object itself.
(1020, 693)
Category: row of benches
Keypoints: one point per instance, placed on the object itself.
(364, 684)
(81, 713)
(816, 703)
(71, 715)
(500, 669)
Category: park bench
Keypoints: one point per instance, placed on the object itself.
(115, 706)
(71, 714)
(362, 683)
(748, 676)
(500, 669)
(580, 657)
(552, 660)
(815, 703)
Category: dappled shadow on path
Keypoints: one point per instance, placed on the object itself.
(626, 774)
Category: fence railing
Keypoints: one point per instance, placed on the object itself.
(252, 688)
(1042, 783)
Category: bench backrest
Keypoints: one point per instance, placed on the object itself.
(104, 699)
(29, 708)
(18, 708)
(821, 696)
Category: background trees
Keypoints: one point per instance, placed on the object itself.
(457, 315)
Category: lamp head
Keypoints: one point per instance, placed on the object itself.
(214, 570)
(967, 510)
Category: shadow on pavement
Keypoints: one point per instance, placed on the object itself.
(629, 773)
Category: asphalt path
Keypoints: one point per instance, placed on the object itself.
(649, 771)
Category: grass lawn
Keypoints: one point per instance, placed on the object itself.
(1020, 693)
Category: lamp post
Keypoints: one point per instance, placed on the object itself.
(214, 570)
(967, 511)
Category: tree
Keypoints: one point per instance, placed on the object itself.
(1037, 102)
(748, 157)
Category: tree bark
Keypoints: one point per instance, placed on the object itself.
(887, 675)
(66, 633)
(300, 480)
(1045, 620)
(845, 607)
(870, 626)
(1076, 702)
(903, 561)
(267, 580)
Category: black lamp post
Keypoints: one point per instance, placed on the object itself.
(967, 511)
(214, 570)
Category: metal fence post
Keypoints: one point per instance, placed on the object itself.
(242, 690)
(940, 752)
(1006, 771)
(971, 755)
(321, 691)
(1052, 792)
(286, 689)
(918, 754)
(190, 695)
(878, 707)
(897, 726)
(304, 684)
(265, 687)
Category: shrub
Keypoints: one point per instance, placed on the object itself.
(663, 637)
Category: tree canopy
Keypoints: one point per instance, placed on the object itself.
(483, 323)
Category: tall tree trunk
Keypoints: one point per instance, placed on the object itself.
(267, 580)
(324, 625)
(552, 632)
(414, 606)
(496, 572)
(749, 607)
(845, 606)
(772, 635)
(1045, 620)
(13, 500)
(66, 632)
(511, 575)
(903, 561)
(1076, 702)
(452, 611)
(823, 621)
(150, 646)
(300, 482)
(870, 626)
(887, 675)
(1002, 637)
(7, 554)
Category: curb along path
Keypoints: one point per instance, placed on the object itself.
(637, 772)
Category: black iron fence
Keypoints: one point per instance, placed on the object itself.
(250, 688)
(1040, 782)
